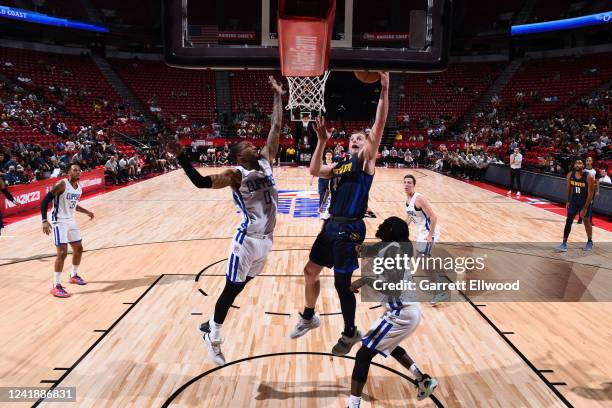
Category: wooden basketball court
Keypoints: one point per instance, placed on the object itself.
(155, 261)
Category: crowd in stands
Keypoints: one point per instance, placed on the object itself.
(44, 127)
(49, 146)
(549, 144)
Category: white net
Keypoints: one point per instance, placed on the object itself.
(307, 93)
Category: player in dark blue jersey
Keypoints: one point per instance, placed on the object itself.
(579, 200)
(335, 247)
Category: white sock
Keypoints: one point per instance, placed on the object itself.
(416, 372)
(215, 330)
(354, 402)
(75, 269)
(57, 278)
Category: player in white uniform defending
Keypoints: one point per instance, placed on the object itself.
(255, 194)
(422, 215)
(400, 319)
(65, 196)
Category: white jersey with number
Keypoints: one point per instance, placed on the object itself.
(396, 299)
(64, 205)
(420, 220)
(401, 317)
(257, 200)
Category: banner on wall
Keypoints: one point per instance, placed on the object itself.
(385, 36)
(31, 195)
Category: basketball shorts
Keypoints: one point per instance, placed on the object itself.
(335, 246)
(247, 256)
(65, 232)
(576, 207)
(421, 244)
(393, 327)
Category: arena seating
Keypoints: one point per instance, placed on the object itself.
(71, 71)
(250, 87)
(562, 79)
(154, 81)
(77, 73)
(449, 93)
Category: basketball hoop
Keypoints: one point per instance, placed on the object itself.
(306, 94)
(304, 41)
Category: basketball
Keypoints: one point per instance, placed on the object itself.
(367, 77)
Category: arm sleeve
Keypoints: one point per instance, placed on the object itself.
(44, 206)
(196, 178)
(8, 194)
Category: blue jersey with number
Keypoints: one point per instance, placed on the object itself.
(349, 188)
(580, 188)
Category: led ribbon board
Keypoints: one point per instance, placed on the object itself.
(565, 24)
(39, 18)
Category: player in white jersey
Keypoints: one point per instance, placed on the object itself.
(421, 214)
(255, 194)
(591, 171)
(400, 319)
(65, 196)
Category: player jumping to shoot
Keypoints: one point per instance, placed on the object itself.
(349, 184)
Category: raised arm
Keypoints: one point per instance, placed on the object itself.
(227, 178)
(317, 168)
(373, 142)
(270, 150)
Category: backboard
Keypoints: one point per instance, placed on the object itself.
(392, 35)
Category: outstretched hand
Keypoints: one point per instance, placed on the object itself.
(276, 86)
(322, 133)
